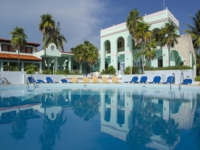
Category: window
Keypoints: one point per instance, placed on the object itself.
(23, 50)
(4, 47)
(120, 44)
(29, 50)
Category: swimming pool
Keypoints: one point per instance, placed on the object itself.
(99, 116)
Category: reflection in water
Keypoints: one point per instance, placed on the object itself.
(195, 131)
(147, 119)
(86, 106)
(141, 118)
(19, 128)
(51, 131)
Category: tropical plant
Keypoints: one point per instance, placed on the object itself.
(109, 70)
(143, 37)
(56, 37)
(86, 53)
(132, 20)
(194, 30)
(168, 36)
(18, 41)
(46, 25)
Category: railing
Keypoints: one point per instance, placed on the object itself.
(181, 77)
(1, 79)
(173, 75)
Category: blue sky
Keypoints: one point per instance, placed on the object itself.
(83, 19)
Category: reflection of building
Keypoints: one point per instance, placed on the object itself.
(120, 110)
(29, 104)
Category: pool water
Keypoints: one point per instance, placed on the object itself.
(99, 119)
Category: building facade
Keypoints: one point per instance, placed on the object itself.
(118, 47)
(54, 59)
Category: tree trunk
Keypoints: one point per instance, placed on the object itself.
(18, 60)
(169, 56)
(143, 59)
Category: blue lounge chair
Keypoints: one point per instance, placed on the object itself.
(31, 80)
(65, 81)
(187, 81)
(49, 80)
(156, 79)
(133, 80)
(143, 79)
(170, 80)
(40, 81)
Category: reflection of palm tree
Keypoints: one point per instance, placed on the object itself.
(18, 125)
(86, 107)
(51, 131)
(18, 128)
(141, 132)
(195, 131)
(171, 131)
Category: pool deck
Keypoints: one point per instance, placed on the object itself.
(195, 86)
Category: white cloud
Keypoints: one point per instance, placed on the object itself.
(79, 19)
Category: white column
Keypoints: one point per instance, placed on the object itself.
(114, 54)
(22, 68)
(102, 55)
(1, 65)
(56, 64)
(40, 66)
(70, 64)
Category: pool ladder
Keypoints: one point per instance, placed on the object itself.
(173, 75)
(1, 78)
(181, 77)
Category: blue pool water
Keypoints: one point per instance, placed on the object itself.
(99, 118)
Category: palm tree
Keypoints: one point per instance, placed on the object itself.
(46, 26)
(56, 37)
(92, 53)
(18, 41)
(142, 36)
(85, 52)
(168, 36)
(194, 30)
(132, 20)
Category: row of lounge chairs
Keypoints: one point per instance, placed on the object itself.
(157, 80)
(114, 79)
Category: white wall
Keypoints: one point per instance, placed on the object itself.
(164, 74)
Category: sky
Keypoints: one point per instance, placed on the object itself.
(82, 20)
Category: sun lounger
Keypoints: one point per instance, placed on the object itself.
(49, 80)
(187, 81)
(156, 80)
(133, 80)
(74, 80)
(65, 81)
(115, 79)
(104, 80)
(32, 80)
(94, 79)
(85, 79)
(143, 79)
(170, 80)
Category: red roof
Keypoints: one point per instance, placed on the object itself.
(22, 57)
(28, 43)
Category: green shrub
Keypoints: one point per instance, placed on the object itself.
(127, 70)
(109, 70)
(197, 78)
(30, 71)
(135, 70)
(168, 68)
(46, 72)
